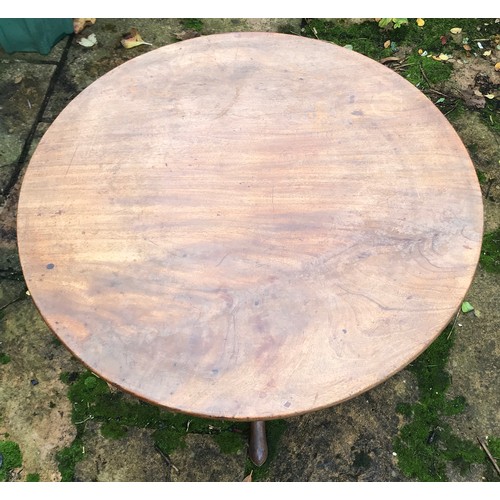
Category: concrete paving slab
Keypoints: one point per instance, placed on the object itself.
(351, 442)
(84, 65)
(8, 211)
(22, 91)
(475, 361)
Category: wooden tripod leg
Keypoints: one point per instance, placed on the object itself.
(258, 442)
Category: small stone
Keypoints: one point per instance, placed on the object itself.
(34, 381)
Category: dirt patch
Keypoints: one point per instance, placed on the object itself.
(128, 459)
(202, 449)
(31, 395)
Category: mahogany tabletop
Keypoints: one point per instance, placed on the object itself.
(249, 225)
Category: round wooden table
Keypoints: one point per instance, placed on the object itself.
(249, 225)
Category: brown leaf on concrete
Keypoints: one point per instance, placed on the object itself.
(133, 39)
(80, 23)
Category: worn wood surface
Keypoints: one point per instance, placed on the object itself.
(249, 226)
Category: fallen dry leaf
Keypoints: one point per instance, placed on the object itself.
(490, 96)
(487, 53)
(456, 31)
(387, 44)
(497, 66)
(248, 479)
(18, 79)
(443, 39)
(80, 23)
(441, 57)
(133, 39)
(389, 59)
(467, 47)
(420, 22)
(90, 41)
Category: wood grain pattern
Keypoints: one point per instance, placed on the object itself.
(249, 225)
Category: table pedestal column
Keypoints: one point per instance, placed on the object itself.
(258, 442)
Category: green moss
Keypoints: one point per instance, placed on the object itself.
(230, 442)
(33, 478)
(456, 110)
(113, 430)
(481, 176)
(426, 443)
(287, 29)
(431, 36)
(192, 24)
(171, 434)
(494, 446)
(56, 342)
(169, 440)
(68, 457)
(64, 377)
(92, 400)
(454, 406)
(85, 393)
(405, 409)
(366, 38)
(424, 72)
(490, 114)
(11, 458)
(4, 358)
(274, 431)
(490, 252)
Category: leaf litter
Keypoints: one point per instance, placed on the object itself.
(88, 42)
(133, 39)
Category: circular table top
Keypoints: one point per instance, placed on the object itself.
(249, 225)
